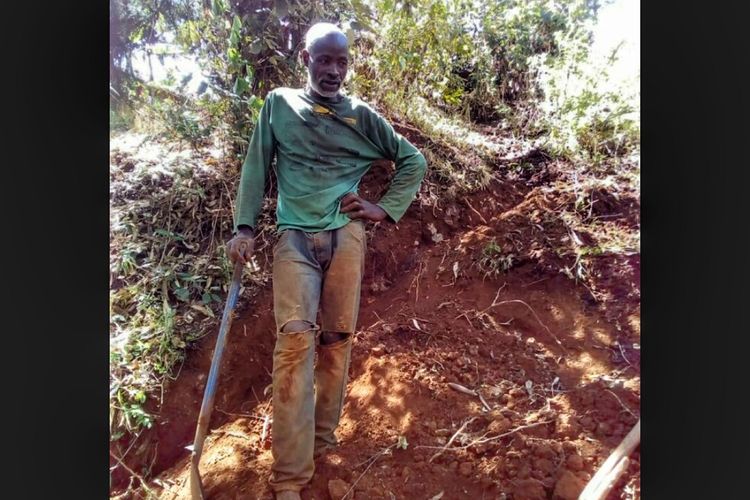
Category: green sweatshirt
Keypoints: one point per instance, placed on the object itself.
(320, 158)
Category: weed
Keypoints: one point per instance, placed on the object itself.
(167, 265)
(120, 118)
(494, 261)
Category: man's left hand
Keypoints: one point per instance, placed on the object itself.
(357, 207)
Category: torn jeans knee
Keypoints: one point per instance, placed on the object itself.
(295, 339)
(329, 338)
(297, 326)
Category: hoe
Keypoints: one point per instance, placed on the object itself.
(196, 487)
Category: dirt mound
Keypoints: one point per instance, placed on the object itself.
(480, 369)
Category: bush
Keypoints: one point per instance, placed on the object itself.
(584, 117)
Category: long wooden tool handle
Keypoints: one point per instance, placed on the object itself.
(213, 375)
(612, 468)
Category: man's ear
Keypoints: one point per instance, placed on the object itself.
(305, 56)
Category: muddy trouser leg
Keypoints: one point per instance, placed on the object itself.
(339, 310)
(297, 280)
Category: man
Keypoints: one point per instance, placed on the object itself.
(323, 142)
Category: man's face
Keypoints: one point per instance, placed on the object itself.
(327, 63)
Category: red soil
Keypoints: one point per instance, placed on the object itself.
(549, 355)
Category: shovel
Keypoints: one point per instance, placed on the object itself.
(196, 487)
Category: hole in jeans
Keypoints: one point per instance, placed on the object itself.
(328, 338)
(297, 326)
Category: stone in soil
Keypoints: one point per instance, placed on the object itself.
(499, 425)
(569, 447)
(337, 488)
(568, 487)
(545, 451)
(575, 462)
(529, 489)
(566, 426)
(584, 476)
(604, 429)
(588, 423)
(517, 392)
(544, 465)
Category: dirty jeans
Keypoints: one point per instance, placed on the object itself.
(311, 270)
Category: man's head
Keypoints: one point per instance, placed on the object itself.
(326, 56)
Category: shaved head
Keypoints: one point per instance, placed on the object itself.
(326, 56)
(322, 30)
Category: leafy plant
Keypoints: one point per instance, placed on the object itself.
(584, 118)
(494, 260)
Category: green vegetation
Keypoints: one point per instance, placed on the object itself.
(165, 270)
(494, 261)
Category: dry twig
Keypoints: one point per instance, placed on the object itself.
(484, 439)
(475, 210)
(264, 432)
(460, 388)
(505, 434)
(466, 318)
(486, 406)
(450, 441)
(622, 353)
(536, 316)
(621, 403)
(133, 474)
(371, 461)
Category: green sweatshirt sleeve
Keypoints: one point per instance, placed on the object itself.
(254, 173)
(410, 167)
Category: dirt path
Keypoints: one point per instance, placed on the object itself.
(558, 371)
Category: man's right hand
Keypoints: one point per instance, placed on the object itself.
(241, 246)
